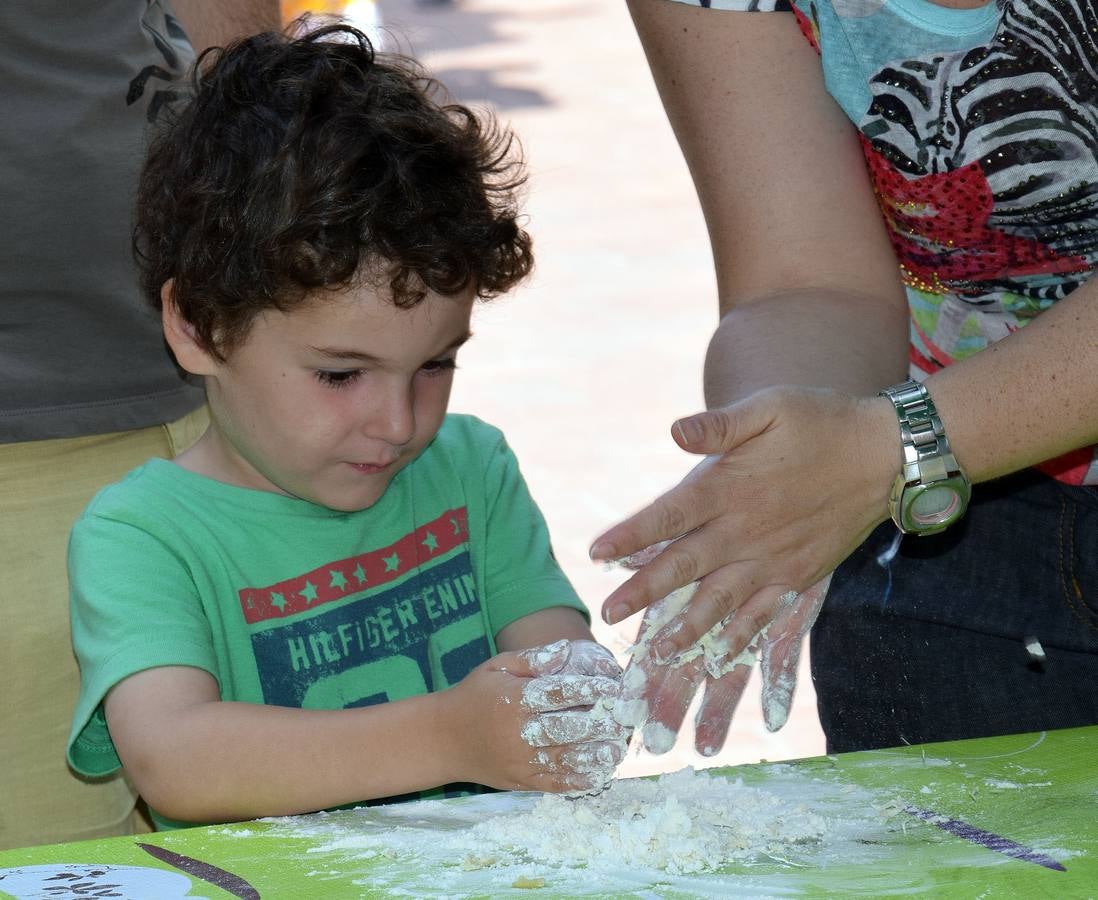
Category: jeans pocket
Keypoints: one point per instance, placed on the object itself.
(1077, 537)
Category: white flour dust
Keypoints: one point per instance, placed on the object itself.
(682, 823)
(576, 710)
(691, 833)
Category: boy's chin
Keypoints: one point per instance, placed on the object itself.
(348, 503)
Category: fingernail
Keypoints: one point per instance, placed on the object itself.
(602, 551)
(658, 738)
(689, 430)
(665, 650)
(613, 614)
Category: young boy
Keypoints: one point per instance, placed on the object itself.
(331, 597)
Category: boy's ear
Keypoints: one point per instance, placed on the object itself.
(182, 337)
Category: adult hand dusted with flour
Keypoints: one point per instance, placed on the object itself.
(763, 519)
(655, 695)
(542, 719)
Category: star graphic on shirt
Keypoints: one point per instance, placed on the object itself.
(309, 592)
(360, 574)
(279, 601)
(339, 580)
(392, 563)
(430, 542)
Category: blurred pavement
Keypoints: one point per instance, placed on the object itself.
(586, 366)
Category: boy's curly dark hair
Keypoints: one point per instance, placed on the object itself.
(303, 161)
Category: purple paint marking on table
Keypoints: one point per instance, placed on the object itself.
(984, 838)
(216, 876)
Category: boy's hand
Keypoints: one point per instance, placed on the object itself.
(571, 658)
(520, 729)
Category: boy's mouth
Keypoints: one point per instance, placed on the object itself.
(369, 468)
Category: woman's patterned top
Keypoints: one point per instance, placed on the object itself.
(980, 131)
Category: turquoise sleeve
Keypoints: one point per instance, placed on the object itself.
(133, 607)
(521, 573)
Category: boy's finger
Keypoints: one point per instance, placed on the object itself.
(551, 729)
(594, 757)
(533, 662)
(549, 693)
(591, 658)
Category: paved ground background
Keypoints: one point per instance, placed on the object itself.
(587, 365)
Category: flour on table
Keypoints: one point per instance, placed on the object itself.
(689, 834)
(681, 823)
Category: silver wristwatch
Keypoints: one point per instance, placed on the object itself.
(931, 492)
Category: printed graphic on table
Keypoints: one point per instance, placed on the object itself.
(390, 623)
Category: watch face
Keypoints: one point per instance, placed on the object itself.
(936, 505)
(929, 508)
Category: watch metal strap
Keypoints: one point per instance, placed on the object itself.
(922, 434)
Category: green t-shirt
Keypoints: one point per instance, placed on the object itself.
(292, 604)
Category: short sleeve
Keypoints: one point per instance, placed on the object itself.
(521, 573)
(134, 606)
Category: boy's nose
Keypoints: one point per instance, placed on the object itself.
(393, 419)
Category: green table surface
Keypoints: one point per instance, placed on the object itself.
(1013, 816)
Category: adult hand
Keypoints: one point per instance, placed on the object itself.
(655, 696)
(795, 478)
(525, 730)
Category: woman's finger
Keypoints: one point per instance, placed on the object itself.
(780, 651)
(673, 514)
(669, 692)
(714, 716)
(678, 564)
(730, 590)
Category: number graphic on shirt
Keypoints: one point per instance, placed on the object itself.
(400, 675)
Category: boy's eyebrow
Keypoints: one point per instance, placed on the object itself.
(358, 356)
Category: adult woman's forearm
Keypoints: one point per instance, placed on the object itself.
(1028, 398)
(1023, 400)
(814, 337)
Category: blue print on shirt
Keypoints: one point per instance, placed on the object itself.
(424, 634)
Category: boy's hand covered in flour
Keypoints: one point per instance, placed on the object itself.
(543, 719)
(656, 692)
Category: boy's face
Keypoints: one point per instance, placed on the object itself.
(329, 401)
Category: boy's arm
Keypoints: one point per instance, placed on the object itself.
(215, 23)
(197, 758)
(555, 623)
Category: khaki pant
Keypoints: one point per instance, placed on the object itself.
(44, 486)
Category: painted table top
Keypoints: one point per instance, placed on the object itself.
(1013, 816)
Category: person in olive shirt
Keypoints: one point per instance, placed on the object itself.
(87, 389)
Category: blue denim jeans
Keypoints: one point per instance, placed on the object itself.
(932, 645)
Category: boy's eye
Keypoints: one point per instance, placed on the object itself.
(337, 379)
(438, 366)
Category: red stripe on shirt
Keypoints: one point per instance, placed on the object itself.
(341, 578)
